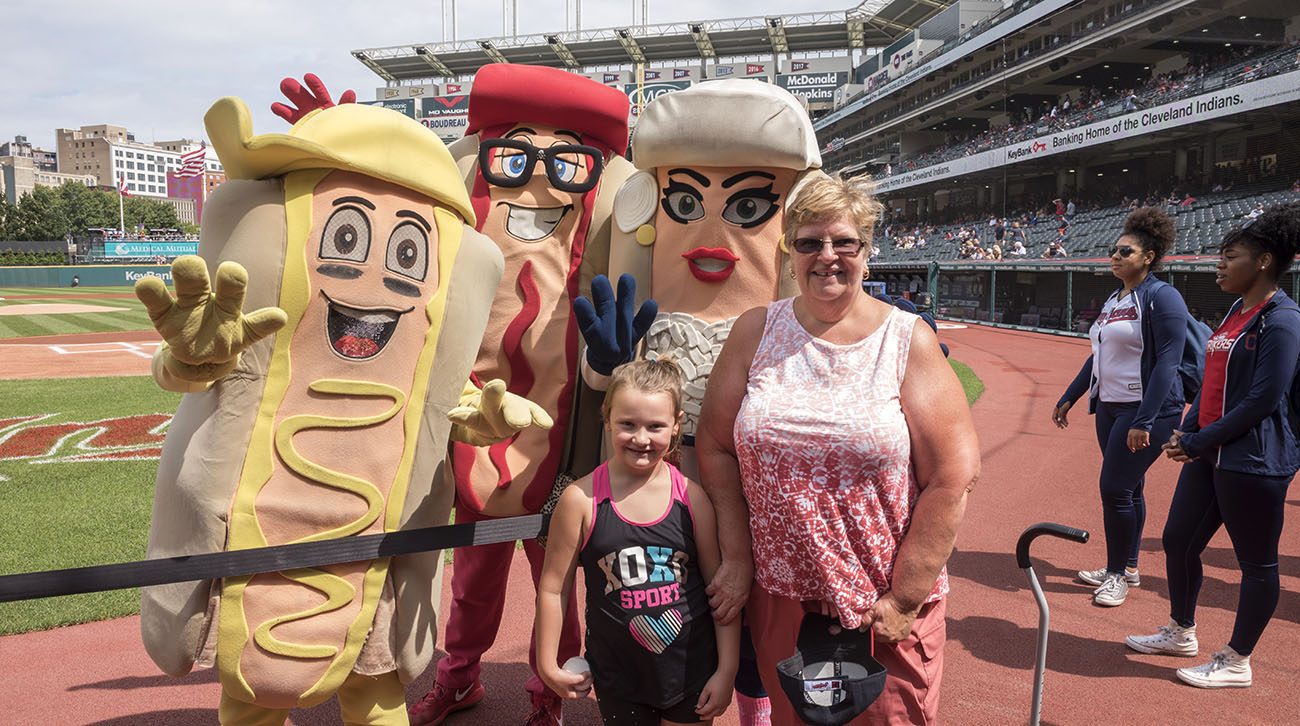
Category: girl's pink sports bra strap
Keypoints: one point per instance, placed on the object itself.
(679, 484)
(600, 485)
(680, 493)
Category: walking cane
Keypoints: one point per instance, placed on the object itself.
(1022, 559)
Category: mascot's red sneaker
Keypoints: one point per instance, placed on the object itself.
(442, 701)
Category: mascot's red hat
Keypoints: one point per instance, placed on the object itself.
(505, 93)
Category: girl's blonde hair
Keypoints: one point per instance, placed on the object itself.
(827, 198)
(648, 376)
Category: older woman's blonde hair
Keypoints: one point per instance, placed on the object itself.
(826, 198)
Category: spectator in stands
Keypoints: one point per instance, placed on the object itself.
(1054, 249)
(1018, 249)
(1257, 211)
(995, 252)
(1069, 210)
(1188, 200)
(1238, 451)
(1133, 388)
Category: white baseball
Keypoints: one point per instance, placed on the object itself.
(577, 665)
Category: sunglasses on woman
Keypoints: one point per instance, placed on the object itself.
(1124, 251)
(844, 246)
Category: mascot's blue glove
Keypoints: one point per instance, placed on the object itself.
(908, 306)
(607, 323)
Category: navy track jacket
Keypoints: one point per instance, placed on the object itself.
(1254, 436)
(1164, 330)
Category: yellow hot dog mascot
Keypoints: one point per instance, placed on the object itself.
(358, 239)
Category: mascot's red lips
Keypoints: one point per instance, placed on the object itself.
(711, 264)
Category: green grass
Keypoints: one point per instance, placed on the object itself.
(10, 292)
(74, 514)
(133, 317)
(78, 514)
(970, 382)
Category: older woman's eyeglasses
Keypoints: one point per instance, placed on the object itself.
(843, 246)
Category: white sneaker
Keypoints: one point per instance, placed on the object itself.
(1096, 577)
(1227, 669)
(1173, 639)
(1113, 591)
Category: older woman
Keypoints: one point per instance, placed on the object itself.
(836, 438)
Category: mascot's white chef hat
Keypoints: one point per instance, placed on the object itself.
(735, 122)
(370, 140)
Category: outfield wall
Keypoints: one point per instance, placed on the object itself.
(87, 275)
(1046, 296)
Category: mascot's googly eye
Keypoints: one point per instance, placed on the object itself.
(408, 251)
(635, 202)
(346, 236)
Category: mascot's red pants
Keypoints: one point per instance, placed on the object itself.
(478, 590)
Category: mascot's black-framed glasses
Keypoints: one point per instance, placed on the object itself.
(569, 167)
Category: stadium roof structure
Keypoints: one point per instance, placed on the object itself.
(871, 24)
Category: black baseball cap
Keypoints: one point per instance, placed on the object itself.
(830, 679)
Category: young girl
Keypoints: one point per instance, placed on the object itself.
(646, 539)
(1238, 451)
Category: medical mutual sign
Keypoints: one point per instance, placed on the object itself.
(150, 249)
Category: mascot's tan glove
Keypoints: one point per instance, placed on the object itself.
(203, 331)
(491, 415)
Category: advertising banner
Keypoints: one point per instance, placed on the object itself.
(1270, 91)
(447, 116)
(818, 88)
(150, 249)
(407, 106)
(639, 96)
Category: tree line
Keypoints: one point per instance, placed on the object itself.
(49, 213)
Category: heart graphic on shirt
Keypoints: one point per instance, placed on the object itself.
(656, 633)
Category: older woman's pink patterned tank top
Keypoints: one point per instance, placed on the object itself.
(826, 462)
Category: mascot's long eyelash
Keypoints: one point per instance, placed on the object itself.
(763, 192)
(676, 186)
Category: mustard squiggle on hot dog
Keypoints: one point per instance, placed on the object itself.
(246, 632)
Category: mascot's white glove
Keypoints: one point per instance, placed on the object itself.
(203, 331)
(491, 415)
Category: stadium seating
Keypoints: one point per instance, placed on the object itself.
(1201, 227)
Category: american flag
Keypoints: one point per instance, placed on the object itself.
(121, 186)
(192, 162)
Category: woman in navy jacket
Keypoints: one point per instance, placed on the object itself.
(1239, 451)
(1134, 390)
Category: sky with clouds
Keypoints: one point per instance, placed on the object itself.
(155, 67)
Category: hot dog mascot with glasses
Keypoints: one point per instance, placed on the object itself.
(542, 159)
(323, 414)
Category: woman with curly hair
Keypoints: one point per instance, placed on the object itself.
(1133, 388)
(1238, 448)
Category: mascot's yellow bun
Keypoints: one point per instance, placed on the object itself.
(369, 140)
(736, 122)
